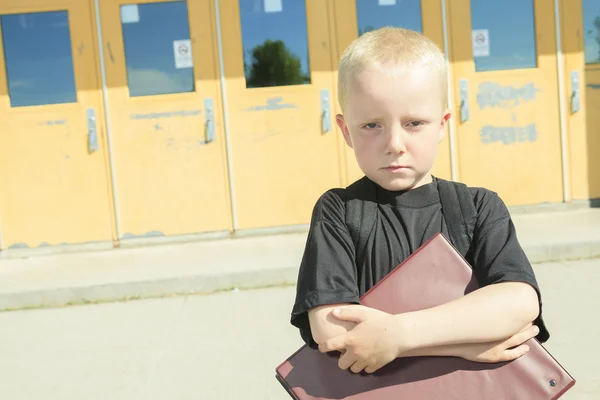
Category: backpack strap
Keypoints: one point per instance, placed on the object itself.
(457, 207)
(361, 212)
(459, 212)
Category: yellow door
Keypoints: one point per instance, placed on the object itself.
(506, 92)
(359, 16)
(165, 117)
(55, 182)
(586, 140)
(279, 80)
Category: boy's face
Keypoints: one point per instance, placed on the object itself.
(394, 124)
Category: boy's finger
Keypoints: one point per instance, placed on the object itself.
(346, 360)
(333, 344)
(357, 367)
(372, 368)
(529, 325)
(515, 353)
(523, 336)
(351, 314)
(529, 334)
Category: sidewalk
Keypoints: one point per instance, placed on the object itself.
(226, 346)
(251, 262)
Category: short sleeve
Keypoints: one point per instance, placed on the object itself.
(327, 273)
(497, 255)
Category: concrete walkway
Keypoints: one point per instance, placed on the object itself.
(251, 262)
(226, 346)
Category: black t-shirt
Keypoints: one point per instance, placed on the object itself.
(330, 273)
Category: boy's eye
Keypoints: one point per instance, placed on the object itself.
(371, 126)
(415, 124)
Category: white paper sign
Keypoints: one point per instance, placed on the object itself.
(387, 2)
(183, 53)
(272, 6)
(481, 43)
(130, 14)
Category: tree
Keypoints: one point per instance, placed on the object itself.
(273, 64)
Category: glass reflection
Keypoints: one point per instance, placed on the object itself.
(373, 15)
(157, 48)
(591, 27)
(39, 61)
(275, 42)
(510, 29)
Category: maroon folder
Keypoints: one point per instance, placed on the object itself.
(435, 274)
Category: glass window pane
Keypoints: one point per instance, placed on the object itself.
(377, 14)
(39, 61)
(591, 27)
(503, 45)
(157, 48)
(275, 40)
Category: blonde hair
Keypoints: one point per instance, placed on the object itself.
(391, 49)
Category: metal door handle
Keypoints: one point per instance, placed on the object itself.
(575, 92)
(92, 131)
(210, 120)
(464, 100)
(325, 111)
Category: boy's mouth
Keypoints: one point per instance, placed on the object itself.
(395, 168)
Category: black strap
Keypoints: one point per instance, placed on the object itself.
(457, 207)
(361, 212)
(459, 212)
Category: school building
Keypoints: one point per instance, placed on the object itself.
(158, 120)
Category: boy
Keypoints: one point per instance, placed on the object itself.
(393, 93)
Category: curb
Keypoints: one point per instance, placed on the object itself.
(208, 284)
(563, 252)
(165, 287)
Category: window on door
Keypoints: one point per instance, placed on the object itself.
(158, 51)
(591, 28)
(503, 34)
(373, 15)
(39, 59)
(275, 43)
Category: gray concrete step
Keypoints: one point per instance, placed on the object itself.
(250, 262)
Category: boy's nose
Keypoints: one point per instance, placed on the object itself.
(395, 144)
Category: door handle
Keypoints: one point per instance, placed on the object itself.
(209, 120)
(464, 100)
(92, 130)
(575, 92)
(325, 111)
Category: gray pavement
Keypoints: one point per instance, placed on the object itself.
(547, 233)
(225, 346)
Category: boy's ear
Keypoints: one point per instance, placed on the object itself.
(445, 119)
(340, 122)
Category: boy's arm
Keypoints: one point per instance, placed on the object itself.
(325, 326)
(491, 313)
(327, 273)
(470, 327)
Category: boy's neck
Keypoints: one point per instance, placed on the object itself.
(427, 178)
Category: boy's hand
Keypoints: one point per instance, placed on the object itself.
(499, 351)
(371, 344)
